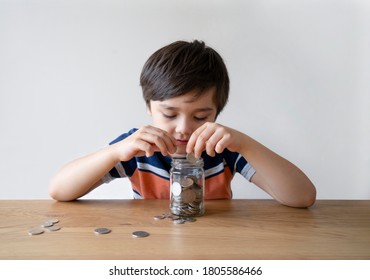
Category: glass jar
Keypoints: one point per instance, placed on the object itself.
(187, 187)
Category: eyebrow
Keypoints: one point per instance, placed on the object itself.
(172, 108)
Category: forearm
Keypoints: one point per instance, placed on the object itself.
(80, 176)
(277, 176)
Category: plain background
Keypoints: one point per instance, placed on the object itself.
(299, 70)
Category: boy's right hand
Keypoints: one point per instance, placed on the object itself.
(144, 142)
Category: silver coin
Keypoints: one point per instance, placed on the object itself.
(191, 157)
(190, 219)
(102, 230)
(54, 228)
(47, 224)
(140, 234)
(188, 196)
(176, 188)
(35, 231)
(159, 217)
(54, 221)
(187, 182)
(174, 217)
(179, 221)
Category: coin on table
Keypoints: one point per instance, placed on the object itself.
(47, 224)
(191, 157)
(190, 219)
(54, 228)
(102, 230)
(140, 234)
(176, 188)
(179, 221)
(35, 231)
(54, 221)
(159, 217)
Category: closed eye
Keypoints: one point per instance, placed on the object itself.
(169, 116)
(200, 119)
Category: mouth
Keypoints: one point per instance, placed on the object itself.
(180, 142)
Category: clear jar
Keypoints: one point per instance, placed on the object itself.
(187, 187)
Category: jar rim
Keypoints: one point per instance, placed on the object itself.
(185, 162)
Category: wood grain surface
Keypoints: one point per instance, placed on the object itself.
(230, 229)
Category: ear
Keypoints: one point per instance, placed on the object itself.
(148, 111)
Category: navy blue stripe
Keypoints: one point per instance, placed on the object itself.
(164, 163)
(150, 171)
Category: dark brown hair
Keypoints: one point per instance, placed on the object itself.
(181, 67)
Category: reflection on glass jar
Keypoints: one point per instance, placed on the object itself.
(187, 187)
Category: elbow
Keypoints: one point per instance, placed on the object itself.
(311, 199)
(56, 193)
(310, 195)
(305, 199)
(53, 190)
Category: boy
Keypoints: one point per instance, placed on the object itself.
(185, 86)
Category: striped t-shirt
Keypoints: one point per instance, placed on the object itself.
(150, 176)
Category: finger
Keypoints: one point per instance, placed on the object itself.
(202, 141)
(214, 143)
(193, 138)
(156, 142)
(223, 143)
(168, 140)
(159, 138)
(210, 149)
(144, 148)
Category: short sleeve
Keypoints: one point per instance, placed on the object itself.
(239, 164)
(121, 169)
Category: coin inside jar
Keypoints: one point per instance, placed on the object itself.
(188, 196)
(187, 187)
(187, 182)
(176, 188)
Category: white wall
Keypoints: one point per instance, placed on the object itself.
(300, 71)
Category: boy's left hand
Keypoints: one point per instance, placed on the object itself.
(213, 137)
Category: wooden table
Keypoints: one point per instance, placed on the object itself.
(230, 229)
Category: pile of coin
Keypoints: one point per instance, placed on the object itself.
(49, 224)
(187, 197)
(187, 182)
(175, 219)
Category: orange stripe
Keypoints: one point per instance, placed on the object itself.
(151, 186)
(218, 187)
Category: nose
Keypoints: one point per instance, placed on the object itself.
(184, 126)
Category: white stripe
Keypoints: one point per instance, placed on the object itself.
(107, 178)
(151, 168)
(248, 171)
(121, 171)
(214, 170)
(136, 195)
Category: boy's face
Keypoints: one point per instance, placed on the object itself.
(181, 116)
